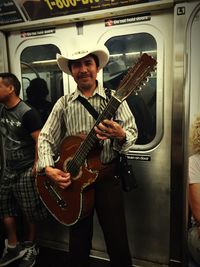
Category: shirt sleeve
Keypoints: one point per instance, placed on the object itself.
(51, 136)
(125, 116)
(32, 121)
(194, 169)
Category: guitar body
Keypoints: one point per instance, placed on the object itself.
(77, 201)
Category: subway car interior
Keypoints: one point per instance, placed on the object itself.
(32, 32)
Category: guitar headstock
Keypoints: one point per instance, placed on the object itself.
(135, 76)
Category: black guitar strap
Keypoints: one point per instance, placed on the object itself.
(88, 106)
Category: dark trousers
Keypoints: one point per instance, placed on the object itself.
(110, 211)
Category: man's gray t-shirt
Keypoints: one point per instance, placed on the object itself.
(17, 124)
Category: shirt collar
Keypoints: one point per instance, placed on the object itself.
(98, 91)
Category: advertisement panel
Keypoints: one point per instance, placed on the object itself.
(9, 12)
(42, 9)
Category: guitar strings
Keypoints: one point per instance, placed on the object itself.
(89, 142)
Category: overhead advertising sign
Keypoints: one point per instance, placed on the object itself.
(9, 13)
(14, 11)
(41, 9)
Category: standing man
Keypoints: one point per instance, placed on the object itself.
(69, 118)
(20, 126)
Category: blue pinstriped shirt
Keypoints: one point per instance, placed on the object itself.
(69, 117)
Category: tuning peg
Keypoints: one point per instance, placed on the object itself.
(154, 71)
(145, 81)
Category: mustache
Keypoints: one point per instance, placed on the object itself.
(84, 75)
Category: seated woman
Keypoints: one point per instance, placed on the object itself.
(194, 195)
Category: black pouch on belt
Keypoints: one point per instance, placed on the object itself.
(126, 174)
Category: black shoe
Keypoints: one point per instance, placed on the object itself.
(12, 254)
(29, 258)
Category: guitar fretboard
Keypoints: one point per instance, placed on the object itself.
(91, 139)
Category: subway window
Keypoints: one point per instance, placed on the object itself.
(125, 50)
(40, 61)
(41, 78)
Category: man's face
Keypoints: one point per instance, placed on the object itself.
(84, 72)
(5, 91)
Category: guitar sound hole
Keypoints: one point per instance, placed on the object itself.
(74, 172)
(73, 168)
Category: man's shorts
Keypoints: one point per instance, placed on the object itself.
(18, 195)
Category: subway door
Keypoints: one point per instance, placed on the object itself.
(3, 68)
(148, 204)
(34, 56)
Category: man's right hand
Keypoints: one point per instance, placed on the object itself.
(62, 179)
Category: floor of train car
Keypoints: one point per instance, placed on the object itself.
(52, 258)
(56, 258)
(47, 256)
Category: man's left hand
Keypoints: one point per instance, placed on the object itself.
(110, 129)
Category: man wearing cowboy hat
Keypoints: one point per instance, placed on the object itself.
(70, 118)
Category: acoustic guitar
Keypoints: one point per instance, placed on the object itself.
(80, 158)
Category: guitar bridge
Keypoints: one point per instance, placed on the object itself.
(56, 196)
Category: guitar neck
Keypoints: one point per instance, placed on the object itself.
(91, 139)
(109, 110)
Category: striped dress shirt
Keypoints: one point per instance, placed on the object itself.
(70, 118)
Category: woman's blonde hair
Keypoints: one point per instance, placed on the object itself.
(195, 135)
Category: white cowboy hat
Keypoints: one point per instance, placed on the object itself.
(80, 47)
